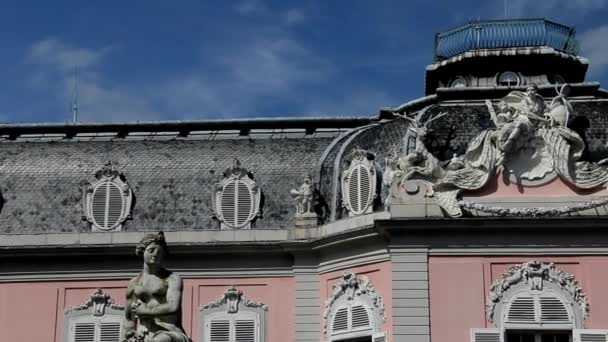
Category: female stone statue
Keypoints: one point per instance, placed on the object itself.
(153, 308)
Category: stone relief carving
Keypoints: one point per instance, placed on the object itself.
(107, 173)
(97, 303)
(352, 286)
(531, 142)
(232, 298)
(236, 174)
(534, 273)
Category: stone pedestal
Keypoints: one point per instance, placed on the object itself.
(306, 220)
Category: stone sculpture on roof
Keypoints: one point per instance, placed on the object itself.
(531, 143)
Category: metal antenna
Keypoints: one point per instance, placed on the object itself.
(75, 97)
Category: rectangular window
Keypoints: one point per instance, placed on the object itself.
(538, 336)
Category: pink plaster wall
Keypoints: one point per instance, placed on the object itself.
(459, 288)
(380, 276)
(277, 293)
(502, 187)
(33, 311)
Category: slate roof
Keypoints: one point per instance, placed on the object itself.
(172, 168)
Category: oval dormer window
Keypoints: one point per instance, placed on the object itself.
(237, 199)
(458, 82)
(508, 79)
(237, 203)
(107, 205)
(107, 202)
(359, 184)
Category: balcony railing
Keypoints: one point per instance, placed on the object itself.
(505, 34)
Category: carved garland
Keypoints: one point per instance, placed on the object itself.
(351, 286)
(534, 273)
(232, 298)
(98, 301)
(532, 212)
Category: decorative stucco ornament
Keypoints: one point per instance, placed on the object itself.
(98, 302)
(534, 273)
(232, 298)
(531, 142)
(352, 286)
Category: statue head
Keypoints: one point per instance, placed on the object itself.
(532, 89)
(157, 240)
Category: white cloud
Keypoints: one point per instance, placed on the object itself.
(98, 98)
(594, 47)
(249, 7)
(293, 16)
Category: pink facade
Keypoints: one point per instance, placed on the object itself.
(502, 187)
(459, 287)
(33, 311)
(379, 275)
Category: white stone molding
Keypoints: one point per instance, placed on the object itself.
(359, 183)
(349, 288)
(98, 303)
(108, 201)
(232, 299)
(534, 274)
(237, 198)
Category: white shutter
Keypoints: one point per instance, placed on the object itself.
(379, 337)
(589, 335)
(359, 189)
(218, 330)
(486, 335)
(245, 330)
(340, 322)
(107, 205)
(244, 203)
(109, 332)
(522, 310)
(237, 203)
(359, 317)
(552, 310)
(84, 332)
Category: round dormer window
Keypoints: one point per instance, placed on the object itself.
(508, 79)
(458, 82)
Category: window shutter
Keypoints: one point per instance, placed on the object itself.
(340, 320)
(486, 335)
(219, 330)
(379, 337)
(244, 331)
(359, 317)
(84, 332)
(237, 203)
(589, 335)
(552, 310)
(522, 310)
(359, 189)
(107, 205)
(109, 332)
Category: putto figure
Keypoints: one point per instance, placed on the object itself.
(153, 310)
(304, 197)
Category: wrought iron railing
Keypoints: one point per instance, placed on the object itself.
(504, 34)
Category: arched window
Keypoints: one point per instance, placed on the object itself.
(359, 184)
(537, 302)
(237, 199)
(108, 201)
(508, 79)
(354, 310)
(97, 320)
(233, 318)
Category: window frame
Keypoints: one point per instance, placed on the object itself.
(98, 310)
(517, 77)
(361, 162)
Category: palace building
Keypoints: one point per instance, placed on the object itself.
(477, 213)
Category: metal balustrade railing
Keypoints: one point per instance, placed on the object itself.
(505, 34)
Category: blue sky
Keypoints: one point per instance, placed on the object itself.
(190, 60)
